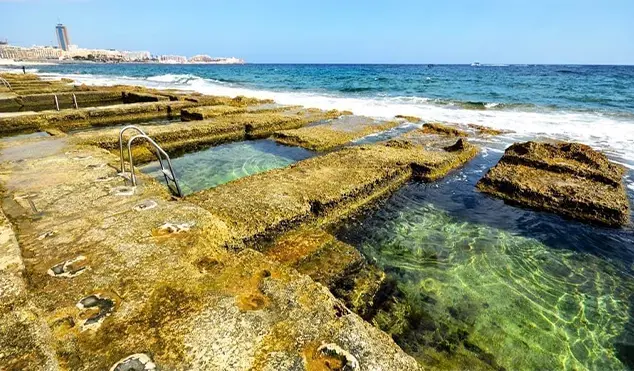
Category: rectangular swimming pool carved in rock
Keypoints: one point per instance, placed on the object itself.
(221, 164)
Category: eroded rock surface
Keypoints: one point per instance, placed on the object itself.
(334, 133)
(173, 294)
(569, 179)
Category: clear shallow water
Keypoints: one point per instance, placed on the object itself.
(221, 164)
(511, 287)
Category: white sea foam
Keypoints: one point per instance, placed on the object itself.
(613, 135)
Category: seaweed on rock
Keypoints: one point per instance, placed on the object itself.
(570, 179)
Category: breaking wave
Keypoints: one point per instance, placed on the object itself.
(612, 133)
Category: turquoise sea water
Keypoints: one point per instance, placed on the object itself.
(484, 285)
(606, 89)
(589, 104)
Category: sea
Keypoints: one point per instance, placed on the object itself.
(490, 285)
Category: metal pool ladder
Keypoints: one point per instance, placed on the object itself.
(4, 82)
(168, 173)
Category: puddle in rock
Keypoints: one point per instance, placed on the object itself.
(221, 164)
(22, 136)
(484, 285)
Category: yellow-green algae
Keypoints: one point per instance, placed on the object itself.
(485, 130)
(189, 136)
(323, 187)
(476, 297)
(36, 102)
(412, 119)
(566, 178)
(194, 307)
(442, 129)
(317, 253)
(334, 133)
(208, 112)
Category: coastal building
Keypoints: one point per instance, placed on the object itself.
(33, 53)
(62, 37)
(136, 56)
(203, 58)
(176, 59)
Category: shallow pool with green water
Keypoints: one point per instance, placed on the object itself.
(221, 164)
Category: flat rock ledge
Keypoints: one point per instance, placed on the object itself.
(569, 179)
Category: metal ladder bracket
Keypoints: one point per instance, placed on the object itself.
(168, 173)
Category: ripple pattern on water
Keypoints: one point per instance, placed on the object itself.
(526, 304)
(493, 286)
(222, 164)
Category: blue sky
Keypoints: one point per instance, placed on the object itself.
(340, 31)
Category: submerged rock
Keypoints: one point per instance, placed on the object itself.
(570, 179)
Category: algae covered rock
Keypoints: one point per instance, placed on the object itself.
(333, 134)
(140, 97)
(485, 130)
(438, 128)
(570, 179)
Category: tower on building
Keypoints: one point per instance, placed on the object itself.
(62, 36)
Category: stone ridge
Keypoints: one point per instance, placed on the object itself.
(324, 188)
(182, 137)
(570, 179)
(333, 134)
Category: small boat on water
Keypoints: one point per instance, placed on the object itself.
(475, 64)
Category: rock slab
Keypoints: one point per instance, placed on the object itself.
(569, 179)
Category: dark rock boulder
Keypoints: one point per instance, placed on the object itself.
(570, 179)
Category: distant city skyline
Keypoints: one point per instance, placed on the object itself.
(329, 31)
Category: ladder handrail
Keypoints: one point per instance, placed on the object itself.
(123, 130)
(160, 154)
(5, 83)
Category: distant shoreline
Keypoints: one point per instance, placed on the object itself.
(486, 65)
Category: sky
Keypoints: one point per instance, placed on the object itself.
(339, 31)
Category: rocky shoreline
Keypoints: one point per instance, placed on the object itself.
(97, 274)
